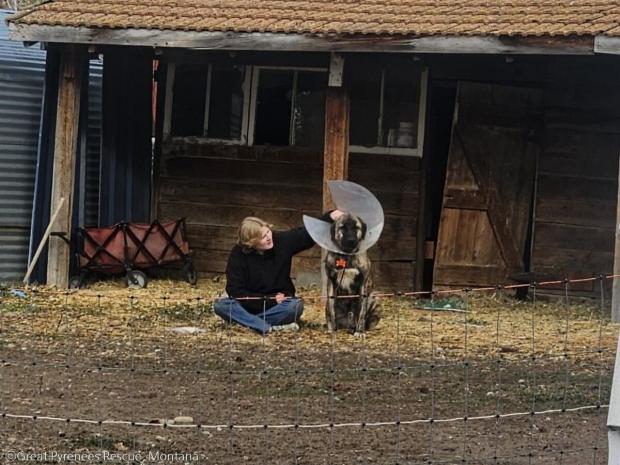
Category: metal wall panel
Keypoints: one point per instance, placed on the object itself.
(22, 80)
(93, 145)
(22, 72)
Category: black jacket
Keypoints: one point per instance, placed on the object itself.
(254, 274)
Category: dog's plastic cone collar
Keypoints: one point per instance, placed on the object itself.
(352, 198)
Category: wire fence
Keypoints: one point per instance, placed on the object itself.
(475, 379)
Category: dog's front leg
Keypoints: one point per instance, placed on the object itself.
(360, 326)
(330, 311)
(330, 314)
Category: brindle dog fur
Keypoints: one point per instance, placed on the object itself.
(349, 274)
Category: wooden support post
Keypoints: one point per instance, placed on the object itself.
(68, 113)
(336, 152)
(615, 299)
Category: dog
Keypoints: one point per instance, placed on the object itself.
(349, 274)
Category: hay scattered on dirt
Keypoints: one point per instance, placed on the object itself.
(483, 325)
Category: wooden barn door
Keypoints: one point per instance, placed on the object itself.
(489, 185)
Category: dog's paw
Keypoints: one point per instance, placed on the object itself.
(359, 335)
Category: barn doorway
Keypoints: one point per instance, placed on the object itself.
(442, 98)
(485, 215)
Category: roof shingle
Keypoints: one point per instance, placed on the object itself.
(410, 17)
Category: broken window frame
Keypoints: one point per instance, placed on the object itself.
(254, 94)
(250, 93)
(167, 130)
(387, 150)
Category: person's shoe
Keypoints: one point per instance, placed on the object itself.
(288, 327)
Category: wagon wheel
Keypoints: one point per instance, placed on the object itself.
(189, 273)
(76, 281)
(136, 279)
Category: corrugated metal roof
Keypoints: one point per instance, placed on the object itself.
(383, 17)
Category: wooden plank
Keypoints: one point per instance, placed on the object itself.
(475, 276)
(43, 241)
(474, 248)
(594, 120)
(478, 97)
(386, 179)
(466, 199)
(587, 165)
(575, 91)
(573, 263)
(261, 173)
(283, 217)
(273, 195)
(580, 143)
(222, 192)
(388, 276)
(554, 187)
(67, 119)
(574, 237)
(223, 238)
(231, 215)
(615, 302)
(584, 213)
(300, 42)
(336, 149)
(196, 147)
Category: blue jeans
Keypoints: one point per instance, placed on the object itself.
(288, 311)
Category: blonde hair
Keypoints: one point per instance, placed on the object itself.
(251, 232)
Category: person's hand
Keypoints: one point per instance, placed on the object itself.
(280, 297)
(336, 214)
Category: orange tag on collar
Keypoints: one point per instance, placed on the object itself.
(341, 263)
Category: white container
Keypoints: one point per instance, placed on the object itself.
(405, 134)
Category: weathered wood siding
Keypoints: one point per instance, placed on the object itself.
(215, 187)
(576, 190)
(575, 213)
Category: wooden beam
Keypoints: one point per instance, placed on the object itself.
(615, 298)
(609, 45)
(336, 151)
(336, 68)
(304, 42)
(67, 119)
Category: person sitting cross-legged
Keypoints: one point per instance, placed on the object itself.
(261, 294)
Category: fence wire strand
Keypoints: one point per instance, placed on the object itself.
(268, 377)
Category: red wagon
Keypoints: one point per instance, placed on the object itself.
(132, 248)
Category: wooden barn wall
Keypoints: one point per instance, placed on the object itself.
(575, 212)
(577, 172)
(215, 187)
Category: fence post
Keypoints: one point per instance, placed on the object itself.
(615, 296)
(613, 417)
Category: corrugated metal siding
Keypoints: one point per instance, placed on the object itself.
(93, 144)
(22, 72)
(22, 76)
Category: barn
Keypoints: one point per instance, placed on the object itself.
(490, 133)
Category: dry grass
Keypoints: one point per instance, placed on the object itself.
(493, 324)
(106, 352)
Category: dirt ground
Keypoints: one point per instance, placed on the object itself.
(108, 353)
